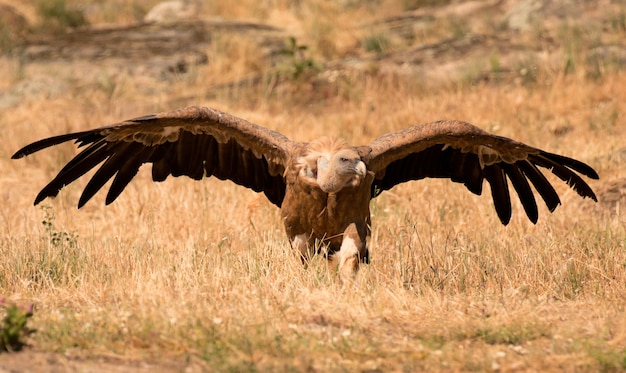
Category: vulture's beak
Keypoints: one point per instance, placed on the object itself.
(360, 168)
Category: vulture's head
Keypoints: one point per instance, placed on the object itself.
(333, 165)
(343, 168)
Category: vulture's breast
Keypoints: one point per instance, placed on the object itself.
(308, 210)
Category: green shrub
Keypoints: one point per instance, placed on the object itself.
(14, 330)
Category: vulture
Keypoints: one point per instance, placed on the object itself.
(322, 187)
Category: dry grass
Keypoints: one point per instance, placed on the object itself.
(201, 271)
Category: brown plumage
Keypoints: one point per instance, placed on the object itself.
(323, 187)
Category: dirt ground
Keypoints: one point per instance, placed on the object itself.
(41, 361)
(36, 361)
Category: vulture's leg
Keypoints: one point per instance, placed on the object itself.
(353, 250)
(300, 244)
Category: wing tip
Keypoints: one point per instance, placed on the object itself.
(19, 154)
(574, 164)
(48, 142)
(40, 197)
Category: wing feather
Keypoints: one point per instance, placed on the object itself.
(194, 141)
(541, 184)
(127, 171)
(77, 167)
(560, 165)
(522, 187)
(48, 142)
(466, 154)
(122, 156)
(500, 192)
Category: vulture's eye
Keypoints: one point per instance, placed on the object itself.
(344, 160)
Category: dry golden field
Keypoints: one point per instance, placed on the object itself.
(198, 276)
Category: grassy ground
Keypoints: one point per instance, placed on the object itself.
(199, 275)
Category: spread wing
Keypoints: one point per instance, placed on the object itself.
(195, 141)
(466, 154)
